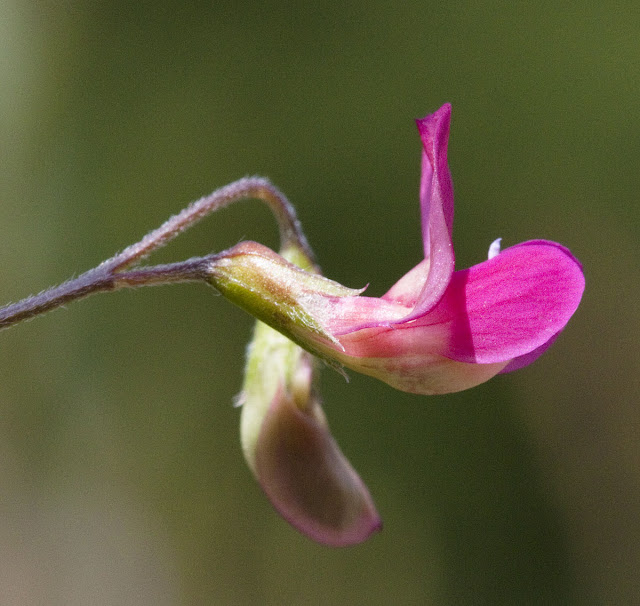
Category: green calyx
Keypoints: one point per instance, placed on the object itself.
(278, 292)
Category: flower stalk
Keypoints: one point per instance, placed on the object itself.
(110, 275)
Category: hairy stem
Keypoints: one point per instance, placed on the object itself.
(249, 187)
(109, 275)
(101, 280)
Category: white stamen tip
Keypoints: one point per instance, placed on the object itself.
(239, 400)
(494, 249)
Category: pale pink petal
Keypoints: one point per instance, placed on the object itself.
(308, 479)
(408, 288)
(409, 359)
(348, 314)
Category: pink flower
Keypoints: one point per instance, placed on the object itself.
(439, 331)
(436, 330)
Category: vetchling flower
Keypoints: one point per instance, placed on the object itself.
(436, 330)
(287, 444)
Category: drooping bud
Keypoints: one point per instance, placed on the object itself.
(286, 439)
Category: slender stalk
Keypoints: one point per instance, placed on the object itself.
(191, 270)
(101, 280)
(109, 275)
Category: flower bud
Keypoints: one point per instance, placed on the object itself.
(286, 440)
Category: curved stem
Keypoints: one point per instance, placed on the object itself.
(249, 187)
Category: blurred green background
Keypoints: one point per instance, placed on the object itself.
(121, 476)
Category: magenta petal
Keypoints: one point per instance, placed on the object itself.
(308, 479)
(434, 133)
(436, 204)
(512, 305)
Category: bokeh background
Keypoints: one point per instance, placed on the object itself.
(121, 476)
